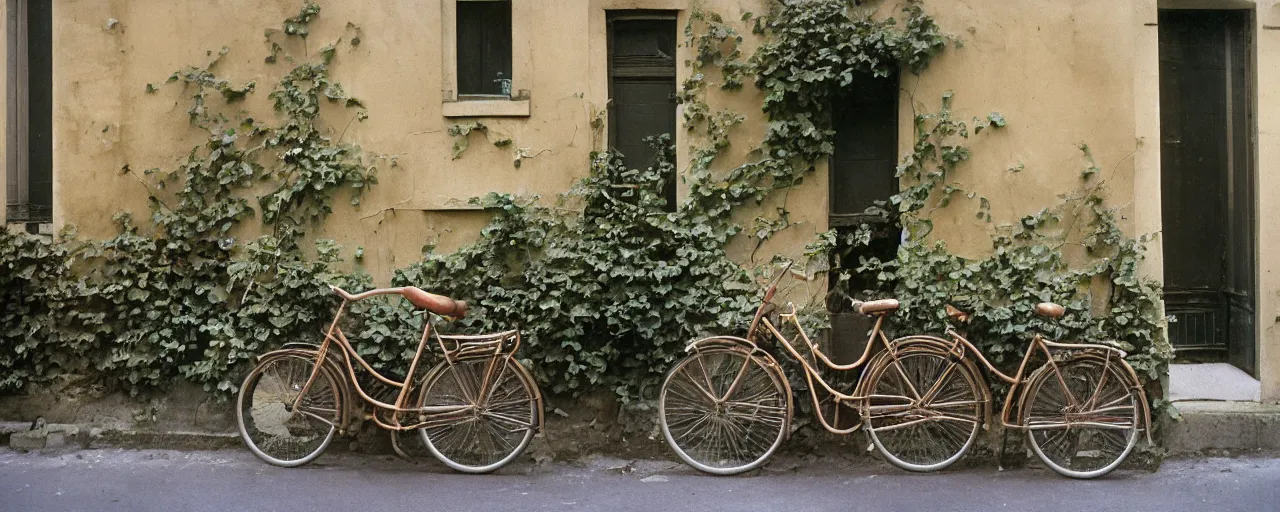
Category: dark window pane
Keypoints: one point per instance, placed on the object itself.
(29, 183)
(484, 46)
(642, 84)
(865, 120)
(40, 120)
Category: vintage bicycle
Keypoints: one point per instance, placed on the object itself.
(476, 410)
(727, 406)
(1081, 409)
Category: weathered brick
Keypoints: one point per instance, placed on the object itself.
(29, 440)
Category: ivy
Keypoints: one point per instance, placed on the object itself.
(178, 296)
(609, 285)
(606, 282)
(606, 296)
(1107, 297)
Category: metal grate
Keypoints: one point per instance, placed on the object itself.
(1200, 320)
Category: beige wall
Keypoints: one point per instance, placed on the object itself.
(1063, 73)
(104, 119)
(1268, 110)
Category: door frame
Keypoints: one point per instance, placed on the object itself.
(1149, 212)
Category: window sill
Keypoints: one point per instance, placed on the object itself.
(487, 108)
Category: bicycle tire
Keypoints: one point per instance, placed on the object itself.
(924, 437)
(699, 430)
(264, 415)
(457, 444)
(1072, 453)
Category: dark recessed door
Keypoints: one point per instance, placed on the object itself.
(1206, 154)
(642, 85)
(862, 169)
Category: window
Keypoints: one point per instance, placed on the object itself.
(484, 48)
(863, 165)
(29, 163)
(642, 86)
(862, 169)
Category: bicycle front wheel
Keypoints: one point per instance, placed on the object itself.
(1085, 423)
(271, 426)
(501, 419)
(723, 411)
(924, 409)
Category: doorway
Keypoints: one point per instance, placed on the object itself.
(642, 86)
(862, 177)
(29, 180)
(1207, 135)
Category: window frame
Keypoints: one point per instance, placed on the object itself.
(614, 72)
(518, 104)
(856, 218)
(19, 206)
(459, 61)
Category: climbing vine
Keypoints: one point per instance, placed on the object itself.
(178, 295)
(607, 282)
(610, 284)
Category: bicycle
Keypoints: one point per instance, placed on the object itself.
(475, 411)
(727, 406)
(1081, 410)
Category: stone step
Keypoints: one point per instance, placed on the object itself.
(1223, 425)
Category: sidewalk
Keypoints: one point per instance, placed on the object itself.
(188, 420)
(216, 481)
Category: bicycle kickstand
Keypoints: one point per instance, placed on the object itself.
(395, 445)
(1004, 438)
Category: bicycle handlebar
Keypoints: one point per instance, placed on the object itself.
(773, 286)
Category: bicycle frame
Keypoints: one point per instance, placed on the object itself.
(811, 371)
(1039, 344)
(489, 346)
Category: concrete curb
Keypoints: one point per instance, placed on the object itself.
(60, 436)
(1223, 426)
(1205, 427)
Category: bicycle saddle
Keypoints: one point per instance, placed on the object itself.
(878, 306)
(957, 314)
(1049, 309)
(438, 304)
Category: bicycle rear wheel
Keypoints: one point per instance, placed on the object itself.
(1084, 425)
(500, 424)
(271, 427)
(719, 434)
(924, 409)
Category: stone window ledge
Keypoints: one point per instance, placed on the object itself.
(487, 108)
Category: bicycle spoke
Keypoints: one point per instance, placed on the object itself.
(493, 430)
(722, 411)
(923, 432)
(1082, 438)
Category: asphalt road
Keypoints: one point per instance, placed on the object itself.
(154, 480)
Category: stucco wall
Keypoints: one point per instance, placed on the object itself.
(104, 120)
(1063, 73)
(1268, 98)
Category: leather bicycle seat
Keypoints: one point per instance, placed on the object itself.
(958, 314)
(878, 306)
(1049, 309)
(438, 304)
